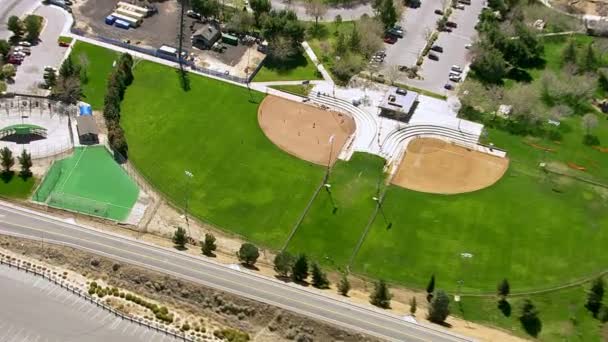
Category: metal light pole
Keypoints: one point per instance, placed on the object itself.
(331, 198)
(331, 149)
(189, 177)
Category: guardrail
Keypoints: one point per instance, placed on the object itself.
(99, 303)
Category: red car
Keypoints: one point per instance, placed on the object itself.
(14, 60)
(390, 39)
(64, 44)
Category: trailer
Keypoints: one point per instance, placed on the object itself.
(110, 20)
(129, 13)
(132, 21)
(134, 8)
(230, 39)
(122, 24)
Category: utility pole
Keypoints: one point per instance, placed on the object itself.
(189, 177)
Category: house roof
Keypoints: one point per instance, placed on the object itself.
(207, 32)
(86, 125)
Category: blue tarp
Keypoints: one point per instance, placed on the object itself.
(85, 109)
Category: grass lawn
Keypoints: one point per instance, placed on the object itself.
(562, 314)
(13, 186)
(300, 69)
(331, 237)
(242, 182)
(100, 66)
(299, 89)
(92, 182)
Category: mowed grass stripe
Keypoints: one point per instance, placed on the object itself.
(242, 182)
(330, 237)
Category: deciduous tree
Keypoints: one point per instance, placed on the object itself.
(33, 27)
(594, 296)
(316, 9)
(248, 254)
(489, 65)
(344, 285)
(283, 262)
(15, 25)
(503, 289)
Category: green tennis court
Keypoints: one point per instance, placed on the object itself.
(89, 182)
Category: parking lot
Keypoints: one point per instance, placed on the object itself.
(35, 309)
(416, 23)
(46, 52)
(161, 29)
(435, 74)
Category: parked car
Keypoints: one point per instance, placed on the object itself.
(433, 56)
(194, 15)
(455, 78)
(468, 46)
(25, 43)
(390, 39)
(49, 68)
(397, 32)
(451, 24)
(64, 43)
(448, 86)
(437, 48)
(25, 50)
(438, 12)
(459, 6)
(16, 60)
(456, 68)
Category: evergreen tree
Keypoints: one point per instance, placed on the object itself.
(388, 14)
(283, 262)
(319, 278)
(180, 238)
(354, 41)
(590, 59)
(430, 288)
(440, 307)
(340, 45)
(25, 160)
(6, 159)
(299, 271)
(603, 79)
(413, 305)
(344, 285)
(381, 297)
(503, 289)
(208, 246)
(67, 68)
(595, 296)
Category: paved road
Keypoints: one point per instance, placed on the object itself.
(347, 13)
(46, 52)
(34, 309)
(27, 223)
(416, 23)
(9, 8)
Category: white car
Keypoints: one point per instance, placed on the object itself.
(455, 78)
(49, 68)
(25, 43)
(456, 68)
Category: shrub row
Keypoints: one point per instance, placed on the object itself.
(120, 78)
(161, 313)
(231, 335)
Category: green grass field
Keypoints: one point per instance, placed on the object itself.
(242, 182)
(90, 181)
(100, 65)
(300, 69)
(13, 186)
(325, 233)
(298, 89)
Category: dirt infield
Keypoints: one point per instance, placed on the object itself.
(437, 166)
(303, 130)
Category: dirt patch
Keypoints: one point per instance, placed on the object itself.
(253, 317)
(303, 130)
(548, 149)
(576, 166)
(436, 166)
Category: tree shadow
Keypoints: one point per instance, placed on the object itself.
(7, 176)
(180, 248)
(25, 175)
(284, 67)
(504, 307)
(531, 325)
(286, 279)
(250, 267)
(210, 255)
(184, 79)
(519, 75)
